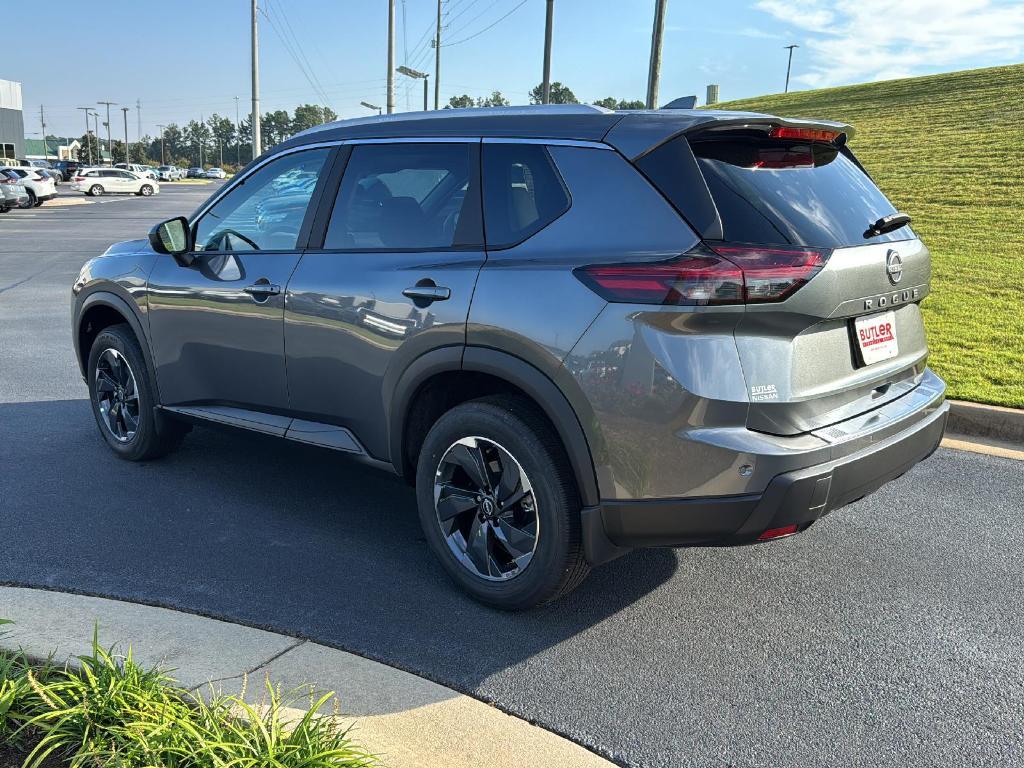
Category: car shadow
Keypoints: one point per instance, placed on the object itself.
(270, 534)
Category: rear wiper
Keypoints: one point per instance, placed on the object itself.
(887, 224)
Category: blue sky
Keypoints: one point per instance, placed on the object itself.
(186, 58)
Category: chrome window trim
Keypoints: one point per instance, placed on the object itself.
(547, 142)
(415, 140)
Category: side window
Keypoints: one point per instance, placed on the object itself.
(265, 211)
(403, 196)
(523, 192)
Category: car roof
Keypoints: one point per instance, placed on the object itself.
(633, 132)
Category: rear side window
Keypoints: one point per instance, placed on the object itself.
(523, 192)
(404, 197)
(782, 191)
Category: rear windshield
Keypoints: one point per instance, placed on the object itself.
(781, 191)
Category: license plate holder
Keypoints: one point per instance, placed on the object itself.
(875, 337)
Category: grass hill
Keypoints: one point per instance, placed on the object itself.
(949, 150)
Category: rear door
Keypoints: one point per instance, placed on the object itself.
(784, 200)
(390, 278)
(217, 325)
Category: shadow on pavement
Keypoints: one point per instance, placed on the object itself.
(271, 534)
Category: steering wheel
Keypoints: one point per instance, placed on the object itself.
(222, 240)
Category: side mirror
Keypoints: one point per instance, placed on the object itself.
(173, 237)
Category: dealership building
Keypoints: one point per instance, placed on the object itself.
(12, 124)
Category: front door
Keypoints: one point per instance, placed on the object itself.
(393, 280)
(216, 326)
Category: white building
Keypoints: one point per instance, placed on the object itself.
(12, 123)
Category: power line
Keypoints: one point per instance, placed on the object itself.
(489, 26)
(292, 52)
(279, 9)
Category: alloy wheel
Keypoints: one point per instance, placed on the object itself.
(486, 509)
(117, 395)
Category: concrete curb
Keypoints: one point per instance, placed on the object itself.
(989, 421)
(409, 722)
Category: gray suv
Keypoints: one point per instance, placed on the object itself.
(576, 332)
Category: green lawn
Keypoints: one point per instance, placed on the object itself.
(949, 150)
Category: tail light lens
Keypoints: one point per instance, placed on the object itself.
(79, 178)
(708, 275)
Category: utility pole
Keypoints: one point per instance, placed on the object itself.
(238, 135)
(654, 74)
(109, 147)
(437, 60)
(202, 124)
(546, 87)
(256, 139)
(789, 65)
(88, 143)
(42, 122)
(162, 160)
(138, 118)
(127, 154)
(391, 56)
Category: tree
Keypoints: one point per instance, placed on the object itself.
(611, 103)
(460, 102)
(275, 127)
(494, 100)
(243, 152)
(197, 139)
(560, 94)
(89, 149)
(222, 133)
(311, 115)
(140, 151)
(174, 142)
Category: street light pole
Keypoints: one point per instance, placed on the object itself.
(417, 75)
(110, 150)
(96, 133)
(654, 74)
(238, 135)
(789, 64)
(368, 105)
(162, 156)
(127, 154)
(88, 143)
(546, 86)
(391, 56)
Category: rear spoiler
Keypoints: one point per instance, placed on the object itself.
(641, 132)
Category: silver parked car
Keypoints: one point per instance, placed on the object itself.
(13, 193)
(576, 332)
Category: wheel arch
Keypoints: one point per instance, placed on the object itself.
(515, 375)
(102, 309)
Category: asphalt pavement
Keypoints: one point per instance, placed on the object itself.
(889, 634)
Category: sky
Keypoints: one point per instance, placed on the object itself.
(183, 59)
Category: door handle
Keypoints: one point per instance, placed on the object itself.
(427, 293)
(262, 290)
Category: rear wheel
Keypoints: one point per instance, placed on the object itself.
(95, 190)
(146, 190)
(122, 398)
(499, 505)
(31, 203)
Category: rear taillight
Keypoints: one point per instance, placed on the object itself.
(5, 180)
(79, 178)
(803, 134)
(709, 274)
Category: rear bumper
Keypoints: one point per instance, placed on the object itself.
(798, 497)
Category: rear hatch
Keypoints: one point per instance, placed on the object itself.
(833, 275)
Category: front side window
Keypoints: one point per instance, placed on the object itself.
(401, 196)
(523, 192)
(266, 210)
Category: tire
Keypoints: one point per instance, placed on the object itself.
(31, 200)
(502, 427)
(151, 438)
(145, 190)
(95, 190)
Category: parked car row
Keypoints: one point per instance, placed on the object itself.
(100, 181)
(25, 187)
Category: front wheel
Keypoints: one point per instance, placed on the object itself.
(122, 398)
(146, 190)
(499, 505)
(95, 190)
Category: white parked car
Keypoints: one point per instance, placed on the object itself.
(40, 187)
(169, 173)
(98, 181)
(139, 170)
(216, 173)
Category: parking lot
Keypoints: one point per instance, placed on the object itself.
(890, 634)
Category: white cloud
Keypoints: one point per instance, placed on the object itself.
(865, 40)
